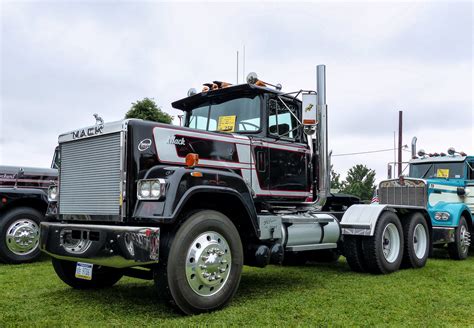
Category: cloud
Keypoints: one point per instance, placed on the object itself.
(62, 62)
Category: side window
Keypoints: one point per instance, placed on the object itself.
(470, 170)
(281, 122)
(198, 122)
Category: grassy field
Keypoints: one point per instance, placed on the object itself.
(441, 294)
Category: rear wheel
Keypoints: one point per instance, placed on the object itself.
(384, 250)
(462, 239)
(201, 268)
(102, 277)
(417, 241)
(354, 253)
(19, 235)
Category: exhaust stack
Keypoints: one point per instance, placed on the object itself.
(322, 137)
(413, 147)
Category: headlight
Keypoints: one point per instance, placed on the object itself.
(144, 189)
(155, 189)
(442, 216)
(52, 193)
(151, 189)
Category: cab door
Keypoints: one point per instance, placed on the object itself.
(261, 168)
(289, 154)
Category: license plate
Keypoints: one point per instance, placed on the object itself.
(84, 271)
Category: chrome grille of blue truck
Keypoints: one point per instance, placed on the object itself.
(90, 176)
(406, 195)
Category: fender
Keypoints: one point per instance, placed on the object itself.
(361, 219)
(454, 209)
(181, 186)
(13, 195)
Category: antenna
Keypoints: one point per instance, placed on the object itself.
(237, 67)
(243, 65)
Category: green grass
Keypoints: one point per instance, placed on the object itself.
(441, 294)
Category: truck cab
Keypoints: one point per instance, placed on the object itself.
(23, 204)
(449, 183)
(277, 155)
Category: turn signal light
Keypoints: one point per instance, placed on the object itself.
(192, 160)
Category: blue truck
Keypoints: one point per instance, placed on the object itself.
(432, 207)
(449, 183)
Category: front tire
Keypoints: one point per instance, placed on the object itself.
(19, 235)
(102, 277)
(384, 250)
(202, 268)
(417, 241)
(462, 239)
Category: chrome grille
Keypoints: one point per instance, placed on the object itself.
(90, 176)
(403, 195)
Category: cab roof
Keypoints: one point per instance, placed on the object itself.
(191, 102)
(438, 159)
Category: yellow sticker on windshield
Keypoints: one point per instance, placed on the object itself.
(226, 123)
(442, 173)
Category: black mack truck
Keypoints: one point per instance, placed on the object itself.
(243, 182)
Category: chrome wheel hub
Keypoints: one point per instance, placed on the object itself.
(22, 237)
(208, 263)
(465, 239)
(390, 243)
(420, 241)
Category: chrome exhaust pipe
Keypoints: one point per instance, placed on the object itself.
(322, 137)
(413, 147)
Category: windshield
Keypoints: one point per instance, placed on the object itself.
(437, 170)
(232, 115)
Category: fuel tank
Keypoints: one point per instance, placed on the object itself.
(310, 232)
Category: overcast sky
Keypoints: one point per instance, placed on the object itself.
(62, 62)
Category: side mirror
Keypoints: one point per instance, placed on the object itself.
(461, 191)
(309, 114)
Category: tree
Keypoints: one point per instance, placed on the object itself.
(147, 109)
(336, 182)
(360, 182)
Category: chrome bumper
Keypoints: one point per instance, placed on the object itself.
(443, 235)
(113, 246)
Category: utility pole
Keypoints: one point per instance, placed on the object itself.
(400, 135)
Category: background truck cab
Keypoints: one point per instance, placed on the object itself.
(449, 183)
(23, 204)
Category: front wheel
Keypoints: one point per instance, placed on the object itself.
(102, 277)
(462, 239)
(384, 249)
(201, 268)
(19, 235)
